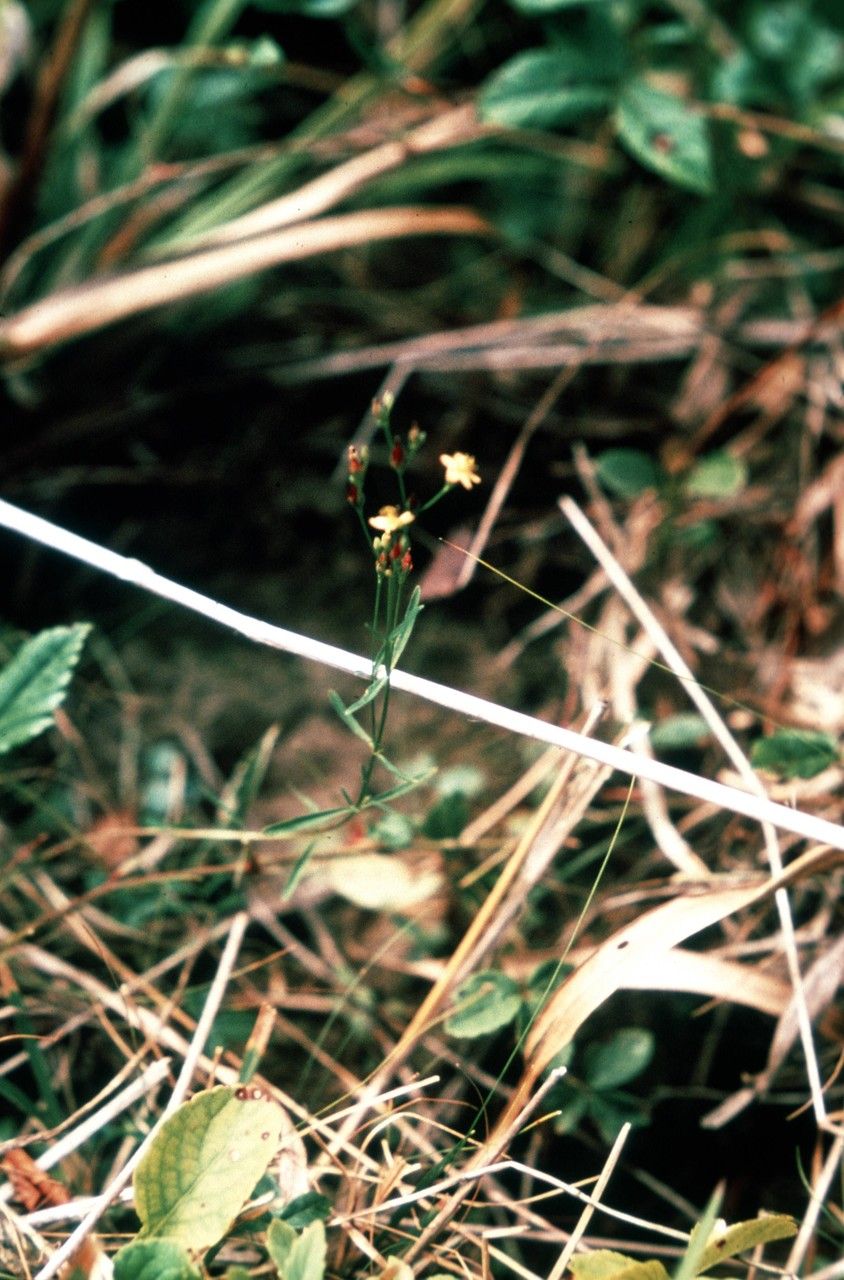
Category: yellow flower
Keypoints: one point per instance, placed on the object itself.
(389, 519)
(460, 469)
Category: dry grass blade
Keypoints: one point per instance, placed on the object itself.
(698, 973)
(93, 306)
(450, 129)
(649, 938)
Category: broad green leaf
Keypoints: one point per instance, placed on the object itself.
(204, 1163)
(308, 8)
(483, 1003)
(604, 1264)
(570, 1113)
(35, 682)
(281, 1237)
(543, 88)
(746, 1235)
(153, 1260)
(794, 753)
(619, 1059)
(686, 729)
(447, 818)
(307, 1257)
(609, 1117)
(553, 6)
(666, 134)
(718, 475)
(627, 472)
(306, 1209)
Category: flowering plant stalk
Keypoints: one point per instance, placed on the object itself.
(394, 611)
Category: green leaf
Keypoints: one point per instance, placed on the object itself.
(627, 472)
(666, 135)
(570, 1113)
(246, 780)
(746, 1235)
(619, 1059)
(610, 1116)
(794, 753)
(718, 475)
(303, 1258)
(604, 1264)
(553, 6)
(369, 695)
(674, 733)
(543, 88)
(298, 870)
(204, 1163)
(281, 1237)
(393, 831)
(153, 1260)
(690, 1263)
(348, 719)
(35, 682)
(307, 821)
(306, 1209)
(403, 631)
(447, 818)
(483, 1003)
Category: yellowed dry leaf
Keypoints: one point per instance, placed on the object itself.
(706, 975)
(647, 941)
(68, 313)
(378, 882)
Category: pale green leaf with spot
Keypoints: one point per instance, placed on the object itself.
(204, 1163)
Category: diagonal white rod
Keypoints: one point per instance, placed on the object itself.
(628, 762)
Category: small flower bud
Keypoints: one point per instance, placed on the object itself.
(397, 454)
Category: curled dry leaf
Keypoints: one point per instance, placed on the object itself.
(640, 947)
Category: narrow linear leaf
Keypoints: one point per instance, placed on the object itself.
(35, 682)
(307, 821)
(345, 714)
